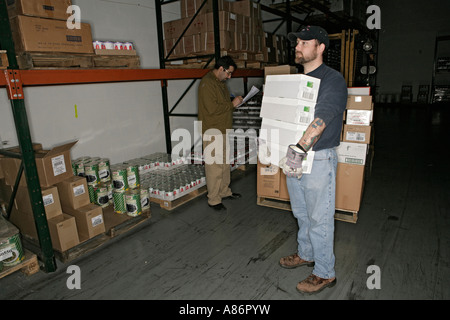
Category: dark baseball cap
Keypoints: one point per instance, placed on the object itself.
(310, 33)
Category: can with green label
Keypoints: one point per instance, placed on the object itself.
(119, 178)
(133, 176)
(133, 202)
(91, 191)
(119, 201)
(11, 251)
(101, 196)
(145, 200)
(91, 173)
(104, 170)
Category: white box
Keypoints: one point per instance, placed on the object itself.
(281, 132)
(352, 153)
(292, 86)
(272, 153)
(358, 91)
(288, 110)
(359, 117)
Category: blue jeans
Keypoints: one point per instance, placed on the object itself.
(313, 205)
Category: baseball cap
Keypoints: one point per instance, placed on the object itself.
(310, 33)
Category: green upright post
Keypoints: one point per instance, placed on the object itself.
(15, 89)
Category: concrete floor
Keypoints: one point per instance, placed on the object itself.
(193, 253)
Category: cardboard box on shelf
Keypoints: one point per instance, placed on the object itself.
(48, 35)
(271, 182)
(50, 199)
(189, 7)
(39, 8)
(4, 64)
(89, 218)
(349, 186)
(53, 166)
(293, 86)
(63, 231)
(356, 133)
(359, 102)
(73, 192)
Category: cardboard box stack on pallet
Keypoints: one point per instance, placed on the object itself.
(71, 218)
(240, 31)
(356, 150)
(287, 109)
(43, 39)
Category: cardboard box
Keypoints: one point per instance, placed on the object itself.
(4, 64)
(63, 231)
(89, 218)
(271, 182)
(358, 91)
(248, 8)
(48, 35)
(352, 153)
(50, 199)
(207, 42)
(356, 133)
(278, 70)
(281, 132)
(73, 192)
(189, 7)
(53, 166)
(25, 222)
(359, 117)
(288, 110)
(349, 186)
(292, 86)
(39, 8)
(359, 102)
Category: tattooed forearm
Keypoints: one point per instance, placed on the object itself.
(312, 134)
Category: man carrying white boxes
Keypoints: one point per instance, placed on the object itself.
(311, 192)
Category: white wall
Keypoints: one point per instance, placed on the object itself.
(119, 121)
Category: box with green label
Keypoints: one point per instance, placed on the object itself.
(289, 110)
(292, 86)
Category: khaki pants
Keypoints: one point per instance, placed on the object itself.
(217, 168)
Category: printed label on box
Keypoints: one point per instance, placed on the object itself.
(78, 190)
(59, 167)
(97, 220)
(48, 200)
(355, 136)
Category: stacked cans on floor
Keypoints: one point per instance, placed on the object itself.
(174, 183)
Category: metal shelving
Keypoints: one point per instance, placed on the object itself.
(14, 80)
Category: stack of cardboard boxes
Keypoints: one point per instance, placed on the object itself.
(287, 109)
(70, 216)
(356, 145)
(240, 29)
(41, 26)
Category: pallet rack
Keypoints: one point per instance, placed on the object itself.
(14, 80)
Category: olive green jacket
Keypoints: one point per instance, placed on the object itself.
(215, 109)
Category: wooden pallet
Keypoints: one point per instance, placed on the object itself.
(340, 214)
(28, 266)
(172, 204)
(345, 215)
(115, 225)
(40, 60)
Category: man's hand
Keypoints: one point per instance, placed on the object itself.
(290, 172)
(237, 101)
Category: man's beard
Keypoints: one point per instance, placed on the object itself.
(302, 59)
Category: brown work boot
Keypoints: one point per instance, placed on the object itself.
(315, 284)
(294, 261)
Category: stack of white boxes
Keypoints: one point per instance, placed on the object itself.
(356, 141)
(287, 109)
